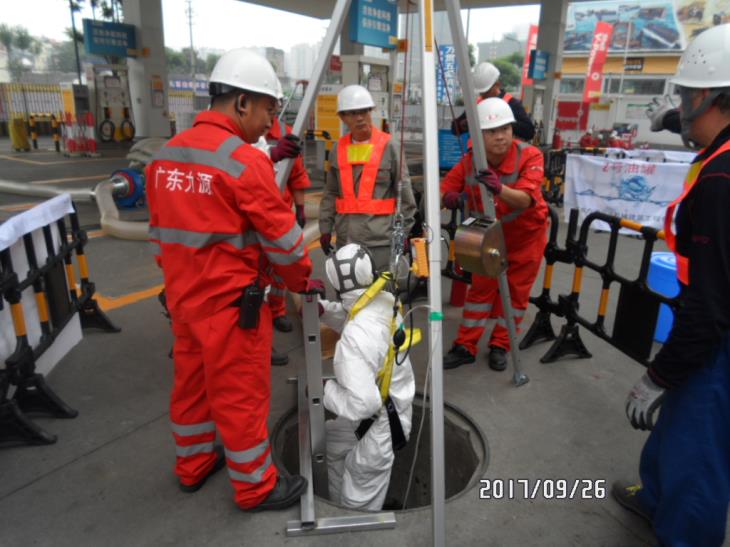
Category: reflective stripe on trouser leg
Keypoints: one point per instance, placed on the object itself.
(477, 308)
(277, 297)
(238, 383)
(192, 425)
(524, 265)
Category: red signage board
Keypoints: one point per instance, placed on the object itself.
(572, 116)
(531, 45)
(596, 60)
(335, 63)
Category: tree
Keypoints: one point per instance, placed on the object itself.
(21, 47)
(210, 62)
(472, 55)
(510, 74)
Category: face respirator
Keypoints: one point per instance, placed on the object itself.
(689, 114)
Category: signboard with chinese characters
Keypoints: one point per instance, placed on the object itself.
(634, 64)
(635, 189)
(325, 111)
(447, 79)
(114, 39)
(374, 23)
(538, 64)
(596, 60)
(188, 84)
(572, 116)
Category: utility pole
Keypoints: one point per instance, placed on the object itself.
(76, 44)
(192, 51)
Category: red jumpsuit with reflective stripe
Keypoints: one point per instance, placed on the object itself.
(298, 180)
(219, 223)
(525, 236)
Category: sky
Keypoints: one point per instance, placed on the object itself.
(225, 24)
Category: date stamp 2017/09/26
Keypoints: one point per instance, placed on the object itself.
(549, 489)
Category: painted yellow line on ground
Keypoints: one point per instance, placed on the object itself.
(107, 303)
(98, 178)
(61, 162)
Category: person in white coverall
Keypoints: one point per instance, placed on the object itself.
(359, 470)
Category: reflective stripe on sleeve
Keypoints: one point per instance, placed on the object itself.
(220, 159)
(285, 259)
(285, 242)
(193, 429)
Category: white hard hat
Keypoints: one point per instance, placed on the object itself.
(704, 64)
(243, 69)
(354, 97)
(485, 76)
(350, 268)
(494, 112)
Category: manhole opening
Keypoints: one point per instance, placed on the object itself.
(465, 447)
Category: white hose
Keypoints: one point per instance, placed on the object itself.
(110, 222)
(25, 189)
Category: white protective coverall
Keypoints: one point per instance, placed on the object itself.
(359, 471)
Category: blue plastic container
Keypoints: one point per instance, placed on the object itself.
(663, 279)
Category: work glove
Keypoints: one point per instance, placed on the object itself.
(490, 179)
(314, 286)
(453, 200)
(325, 241)
(643, 400)
(460, 126)
(658, 108)
(301, 218)
(288, 147)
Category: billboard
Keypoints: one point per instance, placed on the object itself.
(643, 25)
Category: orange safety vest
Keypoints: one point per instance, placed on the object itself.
(369, 156)
(669, 235)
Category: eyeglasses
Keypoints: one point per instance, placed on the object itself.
(354, 113)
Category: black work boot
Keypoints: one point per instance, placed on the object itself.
(286, 492)
(458, 355)
(625, 494)
(219, 464)
(278, 359)
(283, 324)
(497, 358)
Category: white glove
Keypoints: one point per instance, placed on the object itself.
(657, 110)
(643, 400)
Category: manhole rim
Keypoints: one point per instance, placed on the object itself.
(478, 474)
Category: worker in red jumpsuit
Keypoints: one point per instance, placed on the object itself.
(293, 194)
(219, 224)
(515, 178)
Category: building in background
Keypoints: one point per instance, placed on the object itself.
(648, 39)
(276, 57)
(509, 44)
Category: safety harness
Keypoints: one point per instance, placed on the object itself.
(398, 338)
